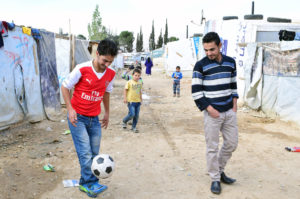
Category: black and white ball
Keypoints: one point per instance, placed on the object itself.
(103, 166)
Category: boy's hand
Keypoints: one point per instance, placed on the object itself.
(72, 116)
(104, 121)
(125, 101)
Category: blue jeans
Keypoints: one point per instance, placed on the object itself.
(86, 137)
(134, 111)
(176, 87)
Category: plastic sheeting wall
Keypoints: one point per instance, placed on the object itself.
(81, 51)
(62, 47)
(281, 96)
(20, 92)
(277, 90)
(49, 80)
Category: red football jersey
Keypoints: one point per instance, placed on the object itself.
(90, 88)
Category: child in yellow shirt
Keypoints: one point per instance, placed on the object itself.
(133, 99)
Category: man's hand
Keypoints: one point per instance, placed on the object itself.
(234, 108)
(212, 112)
(104, 121)
(72, 116)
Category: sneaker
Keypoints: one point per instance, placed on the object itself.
(88, 190)
(174, 95)
(124, 125)
(98, 188)
(135, 130)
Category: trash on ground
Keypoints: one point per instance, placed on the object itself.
(293, 149)
(66, 132)
(70, 183)
(49, 167)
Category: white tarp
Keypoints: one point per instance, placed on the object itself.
(253, 92)
(62, 47)
(281, 96)
(20, 92)
(180, 53)
(277, 91)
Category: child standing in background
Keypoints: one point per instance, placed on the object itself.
(133, 99)
(125, 73)
(177, 76)
(127, 76)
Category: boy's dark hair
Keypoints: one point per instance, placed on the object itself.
(107, 47)
(178, 67)
(136, 71)
(211, 37)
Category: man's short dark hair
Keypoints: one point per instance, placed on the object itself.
(107, 47)
(136, 71)
(211, 37)
(178, 67)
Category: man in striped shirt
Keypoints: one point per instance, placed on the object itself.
(214, 90)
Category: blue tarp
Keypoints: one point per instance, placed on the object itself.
(48, 74)
(20, 93)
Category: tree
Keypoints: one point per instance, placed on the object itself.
(139, 41)
(96, 30)
(160, 40)
(173, 39)
(166, 40)
(152, 38)
(113, 37)
(126, 39)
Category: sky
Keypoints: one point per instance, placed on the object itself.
(131, 15)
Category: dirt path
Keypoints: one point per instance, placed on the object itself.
(165, 160)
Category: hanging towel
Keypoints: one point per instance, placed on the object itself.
(4, 29)
(26, 31)
(36, 33)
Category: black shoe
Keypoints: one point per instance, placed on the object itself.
(215, 187)
(226, 179)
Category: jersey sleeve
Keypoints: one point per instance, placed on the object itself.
(72, 79)
(110, 87)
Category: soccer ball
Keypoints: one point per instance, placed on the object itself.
(103, 166)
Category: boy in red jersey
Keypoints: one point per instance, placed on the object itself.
(92, 82)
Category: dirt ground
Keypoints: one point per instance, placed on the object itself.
(166, 160)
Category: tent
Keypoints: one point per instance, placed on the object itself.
(20, 80)
(235, 32)
(31, 73)
(272, 79)
(183, 53)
